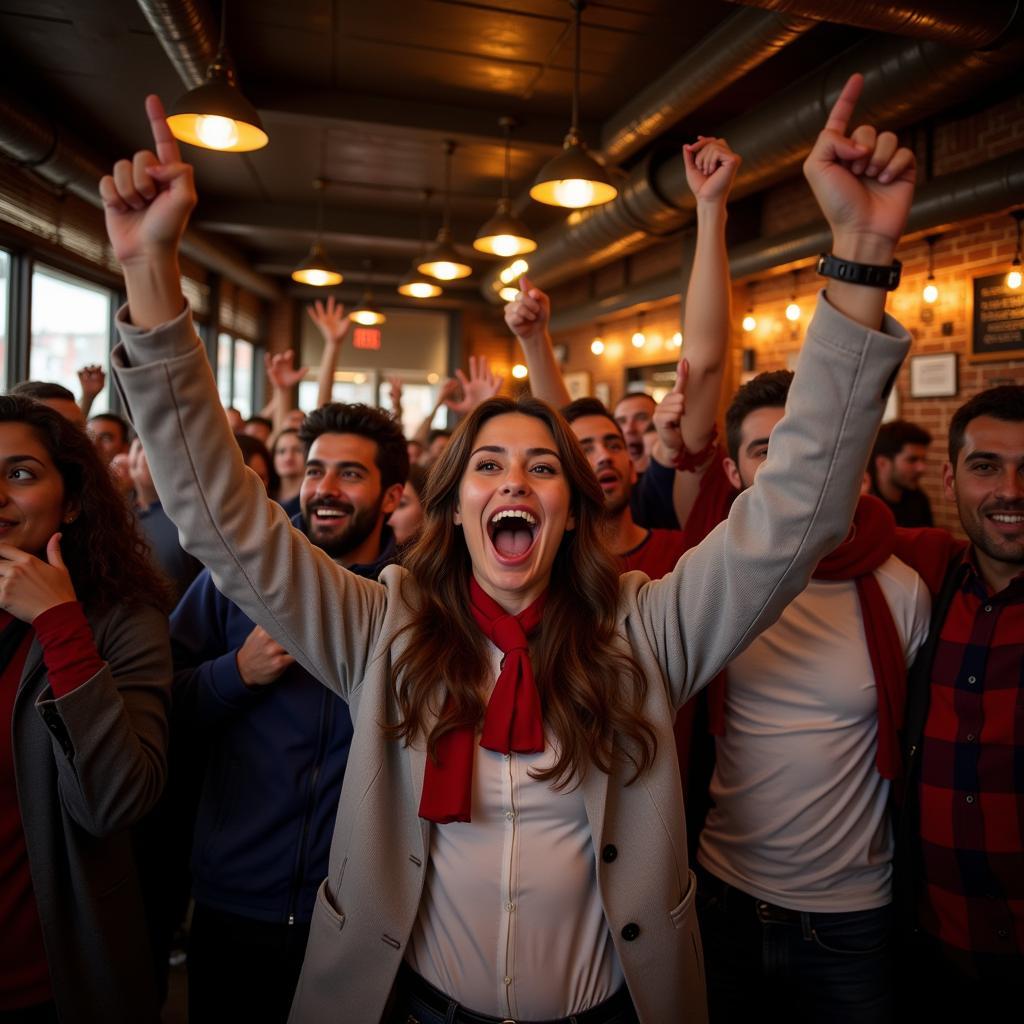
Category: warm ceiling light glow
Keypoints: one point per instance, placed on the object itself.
(445, 270)
(432, 378)
(420, 289)
(1013, 279)
(317, 276)
(505, 234)
(793, 312)
(368, 317)
(508, 275)
(217, 132)
(639, 339)
(677, 340)
(749, 323)
(597, 346)
(509, 294)
(930, 292)
(519, 371)
(520, 267)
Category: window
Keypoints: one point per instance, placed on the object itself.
(241, 394)
(417, 402)
(224, 368)
(5, 290)
(349, 386)
(71, 324)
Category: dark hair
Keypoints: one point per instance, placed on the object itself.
(1005, 402)
(105, 553)
(253, 446)
(126, 430)
(436, 433)
(418, 476)
(592, 692)
(281, 433)
(892, 437)
(262, 421)
(581, 407)
(637, 394)
(766, 390)
(392, 456)
(42, 389)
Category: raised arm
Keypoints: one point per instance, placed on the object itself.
(527, 317)
(734, 584)
(326, 617)
(284, 376)
(91, 380)
(333, 325)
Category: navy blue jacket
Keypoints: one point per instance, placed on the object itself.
(276, 758)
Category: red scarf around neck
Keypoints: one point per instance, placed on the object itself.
(513, 720)
(869, 545)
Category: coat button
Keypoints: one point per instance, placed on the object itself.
(609, 853)
(630, 931)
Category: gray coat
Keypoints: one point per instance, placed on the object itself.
(346, 632)
(88, 765)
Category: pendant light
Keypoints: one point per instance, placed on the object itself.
(442, 261)
(574, 179)
(504, 234)
(930, 292)
(639, 339)
(414, 284)
(793, 309)
(316, 269)
(1013, 278)
(750, 321)
(366, 313)
(216, 115)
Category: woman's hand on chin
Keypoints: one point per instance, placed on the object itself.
(29, 586)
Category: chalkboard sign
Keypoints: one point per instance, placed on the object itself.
(997, 320)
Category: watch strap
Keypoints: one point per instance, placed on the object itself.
(869, 274)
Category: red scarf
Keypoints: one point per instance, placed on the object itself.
(513, 720)
(868, 546)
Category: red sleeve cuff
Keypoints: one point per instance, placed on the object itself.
(69, 650)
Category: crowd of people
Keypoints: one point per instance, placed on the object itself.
(569, 714)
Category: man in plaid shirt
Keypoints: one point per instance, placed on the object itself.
(964, 737)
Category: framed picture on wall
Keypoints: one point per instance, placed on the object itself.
(603, 393)
(577, 383)
(933, 376)
(996, 318)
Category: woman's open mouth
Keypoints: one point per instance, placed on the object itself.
(513, 533)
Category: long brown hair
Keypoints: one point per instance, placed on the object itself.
(102, 548)
(590, 690)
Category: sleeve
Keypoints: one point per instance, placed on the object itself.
(651, 500)
(110, 733)
(326, 617)
(738, 580)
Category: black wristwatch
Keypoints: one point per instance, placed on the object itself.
(869, 274)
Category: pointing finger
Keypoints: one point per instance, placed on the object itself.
(682, 376)
(842, 110)
(167, 150)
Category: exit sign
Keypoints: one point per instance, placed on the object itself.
(366, 337)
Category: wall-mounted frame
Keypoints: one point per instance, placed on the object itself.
(996, 318)
(577, 384)
(933, 376)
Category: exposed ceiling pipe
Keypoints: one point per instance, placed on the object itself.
(974, 192)
(972, 26)
(33, 141)
(903, 81)
(188, 33)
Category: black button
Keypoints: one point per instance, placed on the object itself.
(609, 853)
(630, 931)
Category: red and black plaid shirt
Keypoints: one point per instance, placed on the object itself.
(972, 779)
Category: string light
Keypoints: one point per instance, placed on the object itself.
(519, 371)
(750, 321)
(597, 346)
(793, 309)
(676, 340)
(930, 292)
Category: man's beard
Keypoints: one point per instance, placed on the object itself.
(997, 548)
(360, 525)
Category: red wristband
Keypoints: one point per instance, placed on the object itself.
(688, 462)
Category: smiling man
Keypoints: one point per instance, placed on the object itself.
(278, 740)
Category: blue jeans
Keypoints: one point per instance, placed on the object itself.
(765, 963)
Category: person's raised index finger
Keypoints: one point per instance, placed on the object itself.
(682, 376)
(842, 110)
(167, 151)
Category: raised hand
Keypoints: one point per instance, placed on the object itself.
(711, 168)
(864, 183)
(92, 380)
(480, 385)
(30, 586)
(281, 369)
(330, 318)
(668, 416)
(395, 395)
(261, 659)
(527, 315)
(147, 200)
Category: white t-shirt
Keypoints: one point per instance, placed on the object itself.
(800, 815)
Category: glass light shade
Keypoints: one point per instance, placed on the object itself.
(504, 235)
(749, 323)
(442, 262)
(793, 312)
(316, 269)
(216, 115)
(519, 371)
(597, 346)
(367, 315)
(930, 292)
(1013, 279)
(573, 179)
(639, 339)
(417, 286)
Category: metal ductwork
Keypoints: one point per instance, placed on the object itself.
(972, 26)
(990, 188)
(188, 33)
(904, 81)
(33, 141)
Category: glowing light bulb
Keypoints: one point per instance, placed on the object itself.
(519, 371)
(749, 323)
(574, 192)
(444, 271)
(519, 268)
(639, 339)
(505, 245)
(793, 312)
(509, 294)
(318, 277)
(422, 290)
(930, 292)
(676, 340)
(1013, 279)
(597, 346)
(508, 275)
(217, 132)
